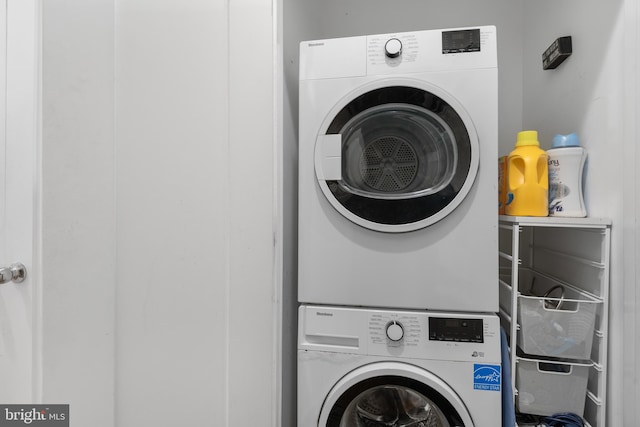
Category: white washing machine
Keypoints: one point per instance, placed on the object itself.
(363, 367)
(398, 170)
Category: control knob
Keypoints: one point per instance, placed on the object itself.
(393, 48)
(395, 331)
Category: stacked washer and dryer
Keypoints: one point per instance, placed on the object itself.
(398, 231)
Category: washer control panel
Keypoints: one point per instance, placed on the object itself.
(411, 334)
(394, 328)
(456, 329)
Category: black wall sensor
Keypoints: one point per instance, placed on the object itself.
(555, 54)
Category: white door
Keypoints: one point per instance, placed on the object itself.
(18, 133)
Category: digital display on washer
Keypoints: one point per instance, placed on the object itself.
(455, 329)
(461, 41)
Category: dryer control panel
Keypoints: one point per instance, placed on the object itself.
(460, 41)
(434, 50)
(399, 53)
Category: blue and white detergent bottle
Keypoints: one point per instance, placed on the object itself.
(566, 167)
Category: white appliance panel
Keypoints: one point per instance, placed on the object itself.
(452, 370)
(448, 265)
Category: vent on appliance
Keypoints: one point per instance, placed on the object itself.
(389, 164)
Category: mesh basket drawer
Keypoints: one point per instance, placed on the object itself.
(560, 325)
(546, 388)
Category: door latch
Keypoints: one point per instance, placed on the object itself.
(15, 273)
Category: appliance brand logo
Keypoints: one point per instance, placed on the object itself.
(35, 415)
(324, 313)
(487, 377)
(315, 44)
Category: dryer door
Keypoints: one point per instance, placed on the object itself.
(397, 158)
(393, 394)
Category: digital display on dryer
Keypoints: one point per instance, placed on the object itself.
(461, 41)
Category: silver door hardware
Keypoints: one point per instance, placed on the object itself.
(16, 273)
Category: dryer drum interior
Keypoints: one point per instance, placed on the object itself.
(390, 401)
(406, 155)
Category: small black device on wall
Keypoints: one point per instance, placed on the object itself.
(555, 54)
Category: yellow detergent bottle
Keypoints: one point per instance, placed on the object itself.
(527, 177)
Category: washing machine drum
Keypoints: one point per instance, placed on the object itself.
(397, 158)
(392, 402)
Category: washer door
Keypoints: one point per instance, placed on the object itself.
(393, 394)
(397, 158)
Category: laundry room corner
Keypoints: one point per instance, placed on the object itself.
(594, 93)
(285, 212)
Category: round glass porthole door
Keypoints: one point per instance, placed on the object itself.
(392, 401)
(397, 158)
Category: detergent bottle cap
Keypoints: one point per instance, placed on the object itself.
(527, 137)
(570, 140)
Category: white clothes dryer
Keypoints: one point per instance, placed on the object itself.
(360, 367)
(397, 170)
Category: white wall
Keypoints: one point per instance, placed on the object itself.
(194, 140)
(78, 209)
(158, 173)
(172, 175)
(631, 234)
(586, 95)
(20, 330)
